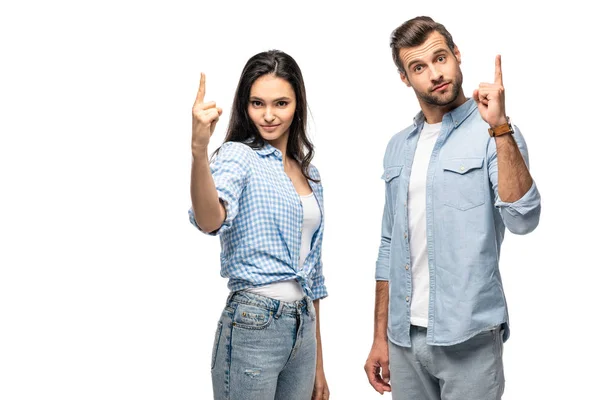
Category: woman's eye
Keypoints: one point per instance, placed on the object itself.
(256, 103)
(282, 103)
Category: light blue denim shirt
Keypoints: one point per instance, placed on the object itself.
(262, 232)
(465, 221)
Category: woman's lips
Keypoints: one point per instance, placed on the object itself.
(269, 128)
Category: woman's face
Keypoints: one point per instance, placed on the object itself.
(271, 107)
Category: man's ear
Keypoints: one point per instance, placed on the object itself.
(457, 53)
(405, 79)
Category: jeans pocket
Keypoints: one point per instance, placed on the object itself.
(251, 317)
(216, 344)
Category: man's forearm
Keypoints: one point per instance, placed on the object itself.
(382, 299)
(514, 179)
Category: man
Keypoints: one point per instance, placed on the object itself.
(454, 180)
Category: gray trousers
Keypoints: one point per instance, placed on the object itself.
(471, 370)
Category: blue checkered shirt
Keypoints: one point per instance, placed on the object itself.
(261, 235)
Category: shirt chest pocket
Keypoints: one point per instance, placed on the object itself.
(463, 182)
(392, 176)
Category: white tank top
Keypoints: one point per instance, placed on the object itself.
(291, 290)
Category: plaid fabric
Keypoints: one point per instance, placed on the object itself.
(261, 235)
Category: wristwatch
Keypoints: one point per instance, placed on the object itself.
(502, 129)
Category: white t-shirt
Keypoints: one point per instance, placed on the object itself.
(417, 225)
(291, 290)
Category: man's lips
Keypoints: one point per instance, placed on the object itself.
(440, 87)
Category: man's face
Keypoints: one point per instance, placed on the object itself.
(432, 70)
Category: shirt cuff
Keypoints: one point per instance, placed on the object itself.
(530, 201)
(382, 271)
(319, 292)
(226, 224)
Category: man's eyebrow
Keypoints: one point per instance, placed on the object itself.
(438, 51)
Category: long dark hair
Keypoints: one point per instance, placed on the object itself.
(242, 129)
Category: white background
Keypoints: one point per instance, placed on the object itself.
(107, 291)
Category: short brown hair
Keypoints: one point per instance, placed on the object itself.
(413, 33)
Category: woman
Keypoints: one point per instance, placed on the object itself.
(264, 199)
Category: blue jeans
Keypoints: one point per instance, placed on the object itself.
(264, 349)
(471, 370)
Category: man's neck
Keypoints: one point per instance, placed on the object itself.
(434, 114)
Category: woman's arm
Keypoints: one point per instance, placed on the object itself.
(321, 390)
(209, 213)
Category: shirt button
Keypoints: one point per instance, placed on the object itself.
(405, 235)
(462, 168)
(407, 298)
(406, 267)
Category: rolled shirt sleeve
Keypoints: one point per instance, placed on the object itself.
(230, 171)
(318, 288)
(521, 216)
(382, 266)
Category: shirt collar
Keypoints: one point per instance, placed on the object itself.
(456, 116)
(268, 149)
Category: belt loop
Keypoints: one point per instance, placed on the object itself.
(279, 305)
(229, 297)
(310, 308)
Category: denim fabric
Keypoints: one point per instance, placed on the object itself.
(466, 221)
(264, 349)
(470, 370)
